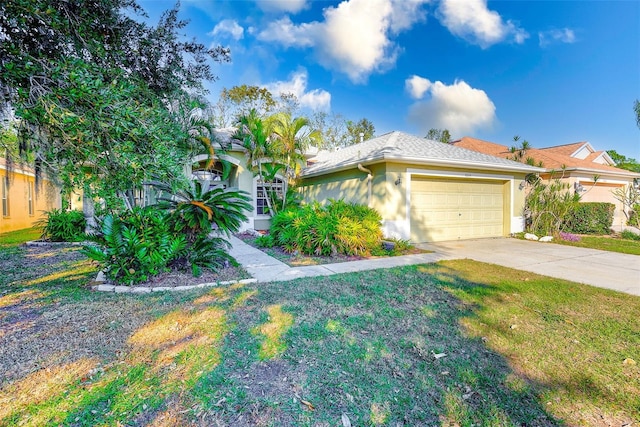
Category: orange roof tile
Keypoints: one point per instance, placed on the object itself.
(552, 158)
(566, 149)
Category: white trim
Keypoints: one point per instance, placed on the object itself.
(456, 175)
(225, 157)
(255, 195)
(583, 146)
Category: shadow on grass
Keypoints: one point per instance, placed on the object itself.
(381, 347)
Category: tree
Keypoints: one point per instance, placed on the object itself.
(624, 162)
(636, 108)
(360, 131)
(90, 86)
(441, 135)
(291, 137)
(239, 101)
(332, 128)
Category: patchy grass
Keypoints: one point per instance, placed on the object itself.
(14, 238)
(455, 343)
(605, 243)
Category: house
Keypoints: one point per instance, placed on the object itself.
(589, 172)
(23, 201)
(426, 191)
(230, 154)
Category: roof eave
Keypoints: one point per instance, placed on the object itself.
(416, 160)
(628, 174)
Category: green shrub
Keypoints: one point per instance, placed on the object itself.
(589, 218)
(135, 246)
(629, 235)
(339, 227)
(266, 241)
(63, 226)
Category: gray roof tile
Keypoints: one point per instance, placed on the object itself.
(403, 147)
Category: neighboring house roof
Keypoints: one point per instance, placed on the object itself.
(555, 158)
(402, 147)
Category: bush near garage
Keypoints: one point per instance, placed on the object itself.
(337, 228)
(589, 218)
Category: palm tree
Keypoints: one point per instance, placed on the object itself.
(292, 136)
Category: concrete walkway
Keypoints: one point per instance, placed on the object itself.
(597, 268)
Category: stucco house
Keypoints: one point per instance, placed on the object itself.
(426, 191)
(24, 203)
(239, 177)
(576, 164)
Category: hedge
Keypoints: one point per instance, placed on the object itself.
(589, 218)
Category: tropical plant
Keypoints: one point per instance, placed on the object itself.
(338, 228)
(194, 212)
(291, 138)
(547, 205)
(135, 246)
(60, 225)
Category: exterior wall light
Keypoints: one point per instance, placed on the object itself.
(578, 187)
(522, 184)
(399, 180)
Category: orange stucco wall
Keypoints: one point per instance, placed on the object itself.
(16, 192)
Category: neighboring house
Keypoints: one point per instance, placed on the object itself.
(426, 191)
(24, 203)
(576, 164)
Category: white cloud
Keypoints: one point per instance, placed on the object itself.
(289, 34)
(228, 26)
(565, 35)
(417, 86)
(474, 22)
(354, 37)
(457, 107)
(287, 6)
(316, 99)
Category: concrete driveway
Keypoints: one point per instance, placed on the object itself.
(604, 269)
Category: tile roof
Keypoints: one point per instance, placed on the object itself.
(552, 158)
(406, 148)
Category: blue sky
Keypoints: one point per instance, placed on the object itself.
(553, 72)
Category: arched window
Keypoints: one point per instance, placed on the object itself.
(208, 177)
(268, 193)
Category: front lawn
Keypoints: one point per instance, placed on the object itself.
(454, 343)
(605, 243)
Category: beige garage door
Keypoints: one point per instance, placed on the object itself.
(448, 209)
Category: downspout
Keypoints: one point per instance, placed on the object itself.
(370, 178)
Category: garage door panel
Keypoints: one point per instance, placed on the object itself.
(456, 209)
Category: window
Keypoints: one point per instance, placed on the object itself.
(273, 189)
(30, 197)
(5, 195)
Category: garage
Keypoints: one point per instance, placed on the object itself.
(452, 209)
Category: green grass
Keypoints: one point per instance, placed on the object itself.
(605, 243)
(455, 343)
(14, 238)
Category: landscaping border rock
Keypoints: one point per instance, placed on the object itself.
(105, 286)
